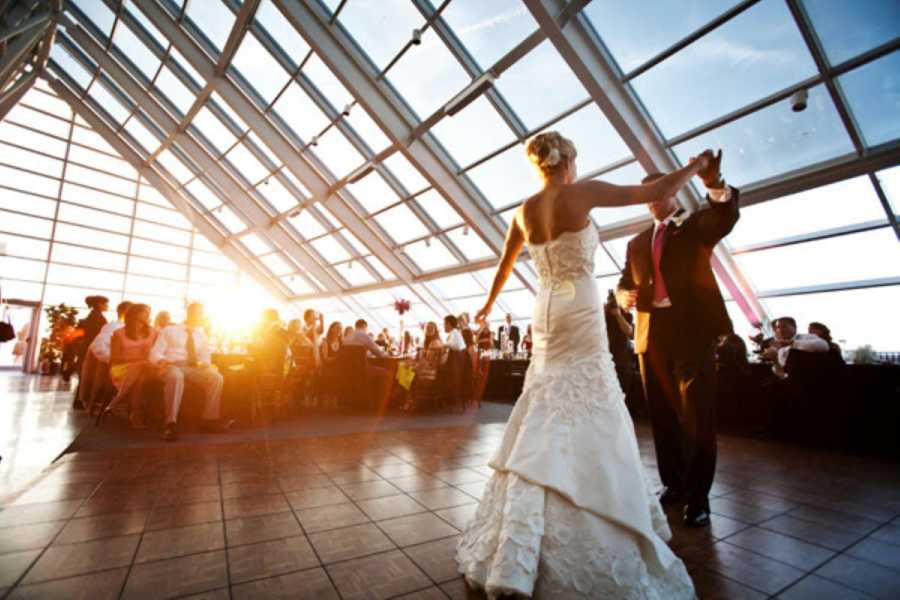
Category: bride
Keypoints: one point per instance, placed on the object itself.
(567, 513)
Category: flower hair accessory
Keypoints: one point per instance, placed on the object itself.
(552, 159)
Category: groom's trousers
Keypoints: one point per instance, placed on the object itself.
(680, 389)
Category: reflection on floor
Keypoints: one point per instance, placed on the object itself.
(36, 426)
(376, 515)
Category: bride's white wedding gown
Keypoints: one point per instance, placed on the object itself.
(567, 512)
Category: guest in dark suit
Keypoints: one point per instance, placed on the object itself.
(511, 332)
(834, 351)
(89, 327)
(680, 316)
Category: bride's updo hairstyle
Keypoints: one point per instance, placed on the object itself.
(550, 152)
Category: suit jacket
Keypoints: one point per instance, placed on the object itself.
(697, 304)
(513, 335)
(91, 325)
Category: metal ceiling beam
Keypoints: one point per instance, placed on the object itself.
(273, 138)
(13, 57)
(236, 195)
(281, 148)
(391, 113)
(171, 194)
(598, 73)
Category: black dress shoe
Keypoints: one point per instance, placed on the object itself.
(671, 497)
(696, 516)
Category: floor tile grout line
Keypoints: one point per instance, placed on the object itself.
(137, 549)
(224, 530)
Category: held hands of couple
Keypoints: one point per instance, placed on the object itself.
(709, 168)
(627, 299)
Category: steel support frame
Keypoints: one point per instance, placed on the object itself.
(235, 193)
(280, 147)
(597, 71)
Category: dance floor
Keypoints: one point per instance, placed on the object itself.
(376, 514)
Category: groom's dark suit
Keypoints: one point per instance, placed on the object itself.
(676, 344)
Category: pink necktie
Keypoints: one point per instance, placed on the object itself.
(659, 285)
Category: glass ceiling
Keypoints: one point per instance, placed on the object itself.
(266, 126)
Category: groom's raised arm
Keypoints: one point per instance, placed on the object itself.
(717, 221)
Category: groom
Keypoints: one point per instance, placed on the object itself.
(680, 315)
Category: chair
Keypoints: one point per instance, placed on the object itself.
(351, 386)
(455, 379)
(271, 357)
(301, 379)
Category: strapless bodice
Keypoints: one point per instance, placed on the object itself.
(569, 257)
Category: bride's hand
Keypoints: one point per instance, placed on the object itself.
(482, 315)
(702, 161)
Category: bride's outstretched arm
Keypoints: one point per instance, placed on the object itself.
(599, 194)
(515, 239)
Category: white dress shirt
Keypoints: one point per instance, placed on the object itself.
(101, 346)
(455, 340)
(715, 195)
(171, 345)
(806, 342)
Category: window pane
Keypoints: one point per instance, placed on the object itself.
(24, 202)
(845, 258)
(470, 244)
(380, 28)
(23, 115)
(440, 211)
(23, 248)
(872, 92)
(307, 225)
(142, 135)
(401, 224)
(161, 233)
(213, 19)
(26, 159)
(506, 178)
(840, 311)
(775, 140)
(456, 132)
(259, 68)
(255, 244)
(165, 216)
(847, 29)
(156, 268)
(408, 175)
(70, 66)
(338, 154)
(246, 164)
(489, 29)
(596, 142)
(540, 86)
(297, 285)
(154, 286)
(354, 274)
(751, 56)
(300, 113)
(172, 88)
(69, 275)
(98, 14)
(330, 249)
(278, 195)
(99, 160)
(326, 82)
(381, 268)
(456, 286)
(212, 261)
(521, 303)
(174, 166)
(229, 219)
(32, 139)
(20, 268)
(282, 32)
(94, 218)
(430, 255)
(82, 135)
(99, 239)
(203, 194)
(836, 205)
(213, 129)
(158, 250)
(428, 75)
(277, 264)
(15, 223)
(373, 192)
(136, 51)
(890, 183)
(35, 184)
(367, 129)
(63, 253)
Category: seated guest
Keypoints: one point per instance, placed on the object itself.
(821, 330)
(406, 346)
(786, 339)
(331, 343)
(129, 354)
(182, 353)
(464, 321)
(455, 339)
(348, 330)
(376, 377)
(328, 352)
(426, 365)
(381, 341)
(95, 373)
(485, 338)
(163, 319)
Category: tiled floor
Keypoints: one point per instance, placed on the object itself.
(377, 515)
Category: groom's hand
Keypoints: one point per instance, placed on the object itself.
(627, 299)
(711, 173)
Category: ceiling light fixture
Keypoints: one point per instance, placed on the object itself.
(417, 36)
(346, 111)
(465, 230)
(428, 242)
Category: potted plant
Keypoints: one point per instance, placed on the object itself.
(60, 321)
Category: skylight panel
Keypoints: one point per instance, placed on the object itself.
(355, 274)
(507, 178)
(839, 204)
(470, 243)
(428, 75)
(213, 19)
(430, 255)
(890, 183)
(596, 140)
(172, 88)
(307, 225)
(373, 192)
(229, 219)
(409, 176)
(330, 249)
(848, 29)
(401, 224)
(70, 66)
(440, 211)
(473, 133)
(142, 135)
(259, 69)
(277, 195)
(753, 55)
(300, 113)
(99, 14)
(540, 86)
(109, 103)
(174, 166)
(380, 28)
(246, 164)
(276, 264)
(872, 92)
(136, 51)
(326, 82)
(255, 244)
(203, 194)
(489, 30)
(367, 129)
(281, 31)
(212, 128)
(775, 140)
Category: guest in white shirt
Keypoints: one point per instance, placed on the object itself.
(787, 339)
(94, 379)
(182, 354)
(455, 339)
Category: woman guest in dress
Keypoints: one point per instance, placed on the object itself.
(129, 367)
(484, 336)
(329, 349)
(426, 366)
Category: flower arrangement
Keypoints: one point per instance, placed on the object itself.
(401, 306)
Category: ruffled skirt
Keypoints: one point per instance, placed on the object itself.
(531, 541)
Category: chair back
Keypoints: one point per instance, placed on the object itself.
(350, 370)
